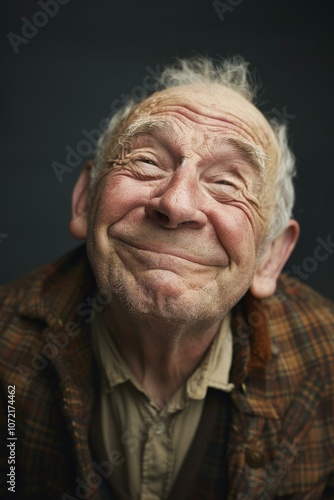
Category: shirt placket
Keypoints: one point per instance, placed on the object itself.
(157, 460)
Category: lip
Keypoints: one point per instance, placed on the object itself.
(166, 250)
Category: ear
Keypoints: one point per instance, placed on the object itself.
(78, 224)
(265, 278)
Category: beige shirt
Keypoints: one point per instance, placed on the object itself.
(154, 441)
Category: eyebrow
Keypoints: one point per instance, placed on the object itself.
(142, 126)
(253, 154)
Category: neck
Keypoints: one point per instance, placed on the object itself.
(161, 355)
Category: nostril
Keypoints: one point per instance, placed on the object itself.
(161, 217)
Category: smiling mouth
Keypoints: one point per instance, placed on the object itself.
(165, 250)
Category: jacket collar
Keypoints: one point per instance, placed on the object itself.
(55, 296)
(251, 339)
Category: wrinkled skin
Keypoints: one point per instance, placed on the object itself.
(176, 226)
(182, 191)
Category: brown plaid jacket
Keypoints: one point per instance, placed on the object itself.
(281, 441)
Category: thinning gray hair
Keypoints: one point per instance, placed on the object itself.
(234, 74)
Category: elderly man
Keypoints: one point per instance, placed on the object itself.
(172, 360)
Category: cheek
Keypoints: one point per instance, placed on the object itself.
(118, 197)
(236, 233)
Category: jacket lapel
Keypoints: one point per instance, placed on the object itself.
(66, 292)
(265, 440)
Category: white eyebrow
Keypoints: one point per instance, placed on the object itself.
(142, 126)
(254, 154)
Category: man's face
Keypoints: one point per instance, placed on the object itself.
(176, 223)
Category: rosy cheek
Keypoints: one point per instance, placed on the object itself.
(235, 232)
(118, 197)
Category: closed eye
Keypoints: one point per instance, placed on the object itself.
(225, 183)
(146, 160)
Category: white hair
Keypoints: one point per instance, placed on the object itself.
(234, 74)
(284, 193)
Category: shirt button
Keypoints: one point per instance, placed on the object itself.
(158, 428)
(255, 457)
(275, 350)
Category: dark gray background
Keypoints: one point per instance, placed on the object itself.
(67, 76)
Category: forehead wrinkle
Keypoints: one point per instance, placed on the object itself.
(254, 154)
(143, 126)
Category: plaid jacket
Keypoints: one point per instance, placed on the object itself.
(282, 431)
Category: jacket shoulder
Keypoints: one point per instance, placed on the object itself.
(28, 302)
(301, 324)
(300, 300)
(33, 305)
(35, 282)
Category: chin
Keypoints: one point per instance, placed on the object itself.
(169, 297)
(168, 303)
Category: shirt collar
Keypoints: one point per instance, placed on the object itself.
(212, 372)
(215, 368)
(109, 358)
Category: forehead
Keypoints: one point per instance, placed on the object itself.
(214, 109)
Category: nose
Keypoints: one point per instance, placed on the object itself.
(177, 203)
